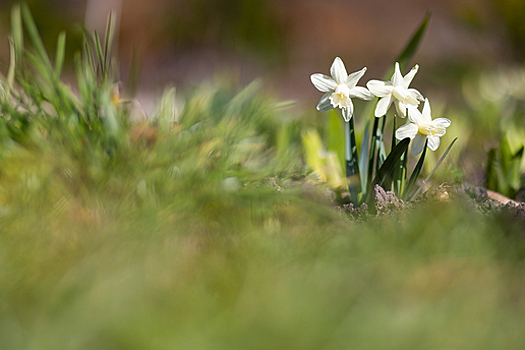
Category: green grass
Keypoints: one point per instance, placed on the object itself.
(201, 229)
(179, 263)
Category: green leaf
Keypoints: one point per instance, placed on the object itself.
(352, 162)
(61, 50)
(35, 37)
(381, 152)
(390, 163)
(491, 181)
(415, 173)
(435, 168)
(363, 157)
(373, 147)
(110, 33)
(17, 30)
(514, 170)
(410, 49)
(98, 48)
(12, 68)
(335, 136)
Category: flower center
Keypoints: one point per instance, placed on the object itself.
(403, 95)
(340, 98)
(427, 130)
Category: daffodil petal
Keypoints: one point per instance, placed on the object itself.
(382, 106)
(443, 122)
(325, 104)
(418, 143)
(380, 88)
(410, 75)
(407, 130)
(401, 108)
(414, 115)
(433, 143)
(338, 71)
(361, 93)
(397, 78)
(348, 112)
(354, 77)
(426, 113)
(323, 82)
(417, 95)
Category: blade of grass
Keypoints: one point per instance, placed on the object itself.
(101, 66)
(17, 30)
(110, 33)
(60, 53)
(435, 168)
(35, 37)
(11, 70)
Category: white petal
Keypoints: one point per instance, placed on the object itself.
(426, 113)
(443, 122)
(325, 104)
(353, 78)
(418, 143)
(397, 78)
(380, 88)
(416, 94)
(323, 82)
(382, 106)
(407, 130)
(414, 115)
(362, 93)
(401, 108)
(338, 71)
(348, 112)
(410, 75)
(439, 126)
(433, 143)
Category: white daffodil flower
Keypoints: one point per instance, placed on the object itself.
(340, 88)
(395, 90)
(421, 128)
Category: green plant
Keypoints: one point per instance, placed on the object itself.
(504, 169)
(371, 165)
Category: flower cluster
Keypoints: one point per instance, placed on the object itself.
(341, 87)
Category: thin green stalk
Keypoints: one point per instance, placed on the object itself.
(351, 158)
(394, 140)
(371, 156)
(381, 153)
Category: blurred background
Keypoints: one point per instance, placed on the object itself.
(187, 41)
(470, 58)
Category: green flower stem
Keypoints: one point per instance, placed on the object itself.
(400, 172)
(381, 152)
(371, 155)
(352, 167)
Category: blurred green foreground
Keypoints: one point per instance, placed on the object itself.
(200, 229)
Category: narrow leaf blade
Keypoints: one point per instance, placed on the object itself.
(390, 163)
(435, 168)
(415, 173)
(60, 54)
